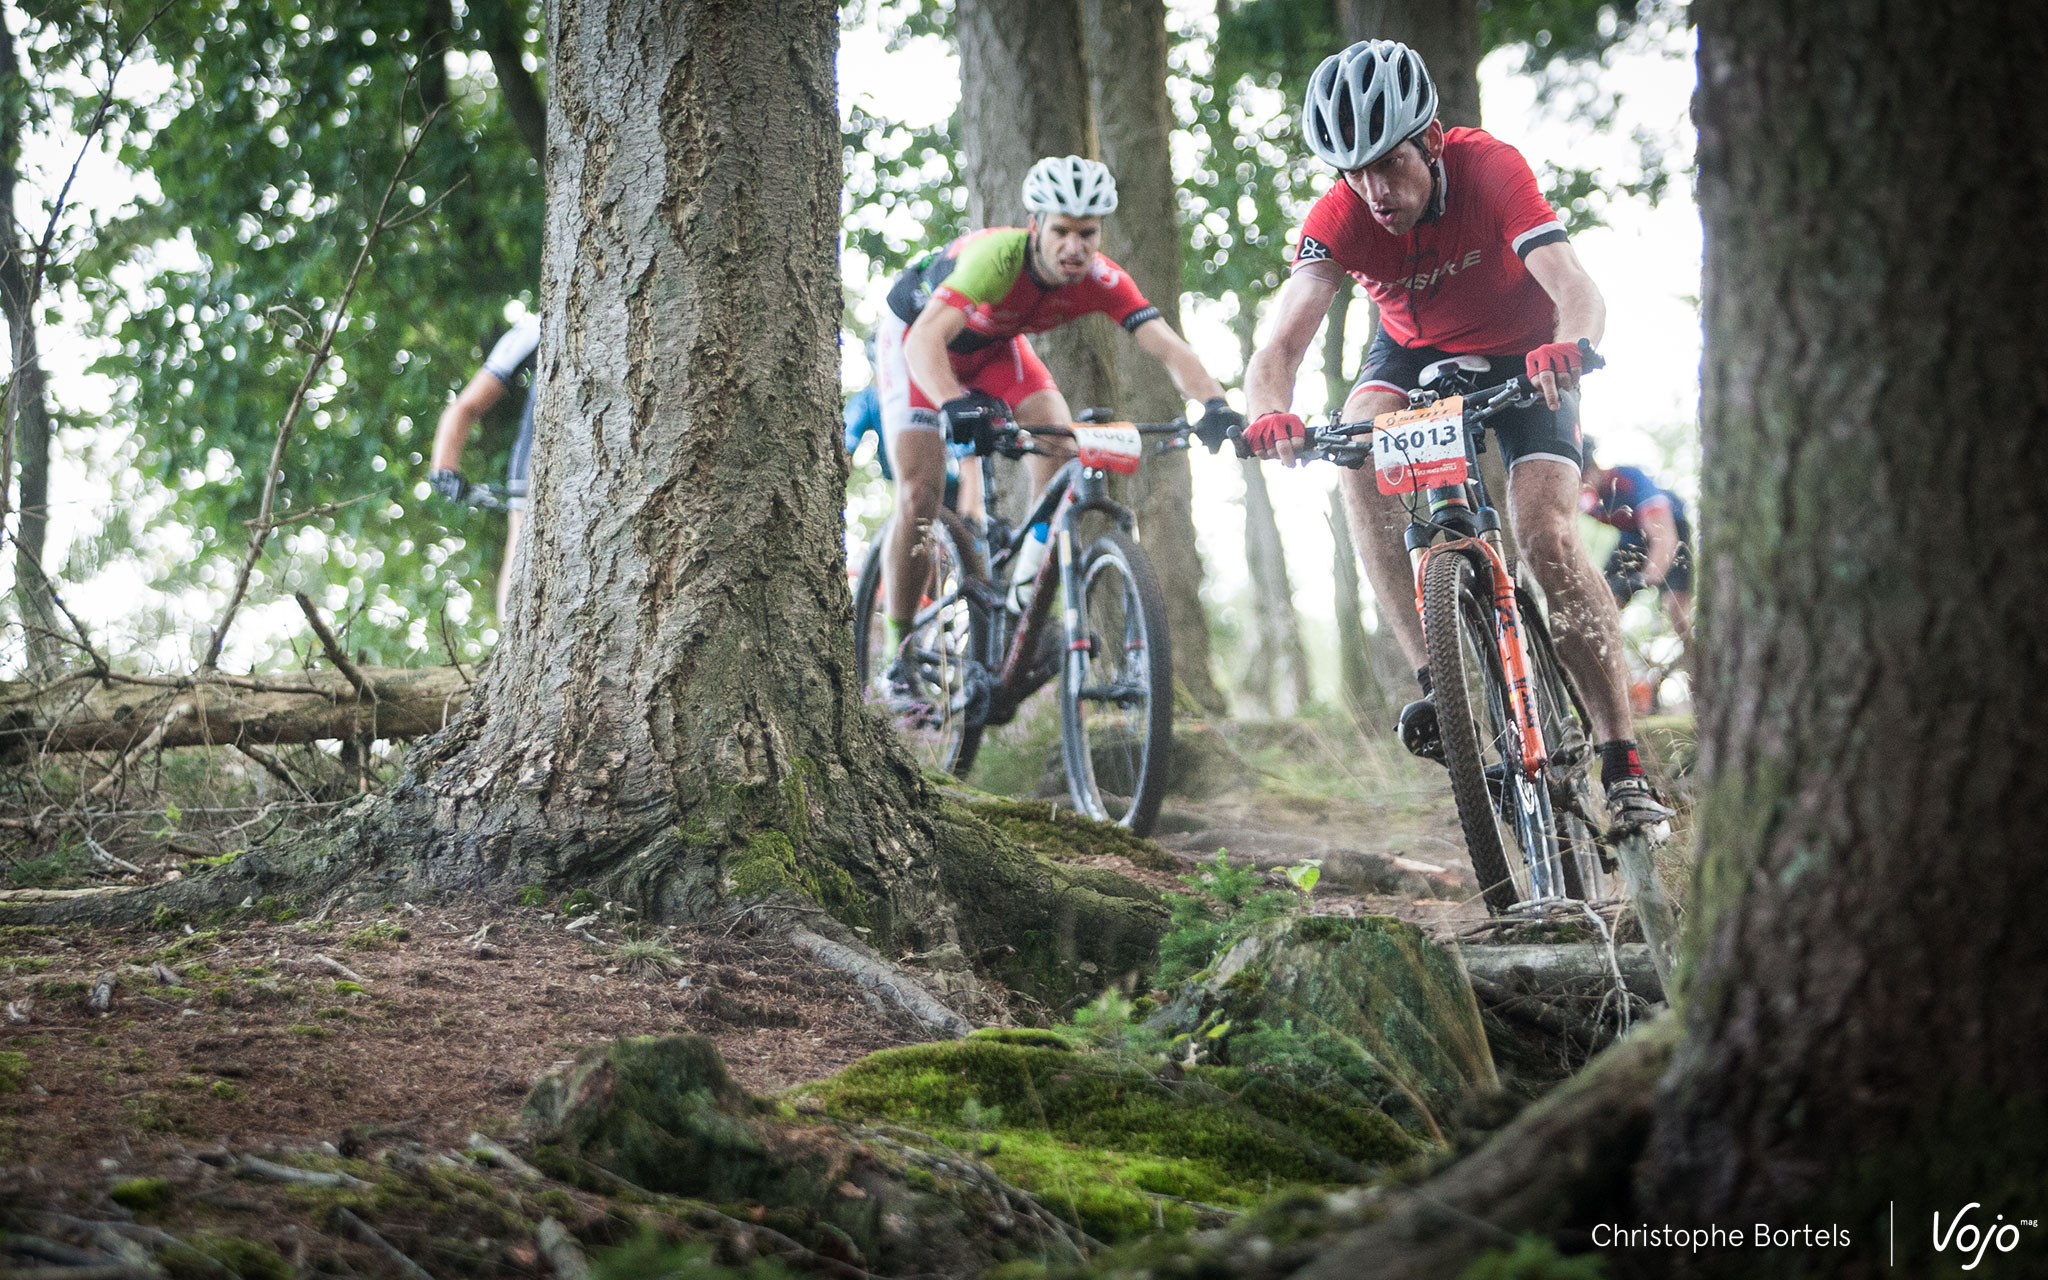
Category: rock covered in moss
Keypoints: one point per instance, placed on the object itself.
(1360, 1008)
(1119, 1143)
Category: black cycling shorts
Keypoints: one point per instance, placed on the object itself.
(1534, 432)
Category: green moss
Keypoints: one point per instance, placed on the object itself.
(61, 988)
(531, 895)
(141, 1194)
(1100, 1139)
(344, 987)
(382, 933)
(16, 965)
(225, 1090)
(13, 1072)
(201, 1256)
(770, 863)
(308, 1030)
(1030, 1036)
(1043, 827)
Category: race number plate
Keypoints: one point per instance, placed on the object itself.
(1420, 448)
(1110, 446)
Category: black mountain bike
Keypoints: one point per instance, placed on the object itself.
(1516, 736)
(978, 649)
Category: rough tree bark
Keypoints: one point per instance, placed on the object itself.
(1863, 1020)
(1445, 34)
(1866, 1020)
(1126, 41)
(1024, 96)
(27, 405)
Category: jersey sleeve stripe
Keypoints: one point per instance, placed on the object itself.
(1538, 236)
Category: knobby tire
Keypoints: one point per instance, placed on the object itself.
(1456, 613)
(953, 747)
(1123, 617)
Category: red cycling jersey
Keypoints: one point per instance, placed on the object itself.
(1456, 282)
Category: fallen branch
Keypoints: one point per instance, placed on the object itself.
(561, 1251)
(504, 1159)
(273, 1172)
(877, 974)
(179, 711)
(367, 1234)
(405, 703)
(1580, 968)
(335, 653)
(337, 968)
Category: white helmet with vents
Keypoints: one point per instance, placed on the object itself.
(1365, 101)
(1073, 185)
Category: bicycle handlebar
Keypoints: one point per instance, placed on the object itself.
(1340, 442)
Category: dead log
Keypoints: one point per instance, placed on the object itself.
(1578, 968)
(115, 715)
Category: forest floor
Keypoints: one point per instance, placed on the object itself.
(266, 1034)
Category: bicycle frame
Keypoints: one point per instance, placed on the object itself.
(1507, 625)
(1074, 491)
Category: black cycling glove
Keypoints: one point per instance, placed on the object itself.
(1219, 422)
(452, 485)
(972, 419)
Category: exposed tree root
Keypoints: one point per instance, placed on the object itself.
(891, 981)
(1565, 1161)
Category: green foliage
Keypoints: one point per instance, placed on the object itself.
(1534, 1258)
(1227, 901)
(580, 903)
(532, 896)
(203, 1255)
(13, 1072)
(63, 865)
(271, 144)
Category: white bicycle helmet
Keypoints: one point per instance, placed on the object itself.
(1073, 185)
(1365, 101)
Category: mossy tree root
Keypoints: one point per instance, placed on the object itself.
(1563, 1165)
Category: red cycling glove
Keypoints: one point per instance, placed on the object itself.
(1269, 429)
(1560, 358)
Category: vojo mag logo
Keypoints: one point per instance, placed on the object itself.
(1972, 1240)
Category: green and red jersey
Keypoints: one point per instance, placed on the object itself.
(987, 275)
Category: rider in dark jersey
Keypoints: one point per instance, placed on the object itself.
(511, 353)
(1448, 232)
(1655, 550)
(951, 353)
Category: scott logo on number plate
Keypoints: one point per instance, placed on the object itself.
(1420, 448)
(1110, 446)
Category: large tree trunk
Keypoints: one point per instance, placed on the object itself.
(1445, 34)
(1126, 41)
(27, 412)
(1867, 1018)
(1024, 96)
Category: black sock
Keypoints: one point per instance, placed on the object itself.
(1618, 760)
(1422, 678)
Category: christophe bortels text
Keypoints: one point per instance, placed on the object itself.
(1609, 1235)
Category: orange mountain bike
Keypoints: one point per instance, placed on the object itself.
(986, 636)
(1516, 736)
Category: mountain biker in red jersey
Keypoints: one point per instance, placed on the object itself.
(951, 352)
(1448, 232)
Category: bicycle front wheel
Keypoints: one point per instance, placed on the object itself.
(1568, 744)
(1499, 807)
(943, 727)
(1116, 688)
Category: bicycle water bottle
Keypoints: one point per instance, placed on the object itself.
(1024, 573)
